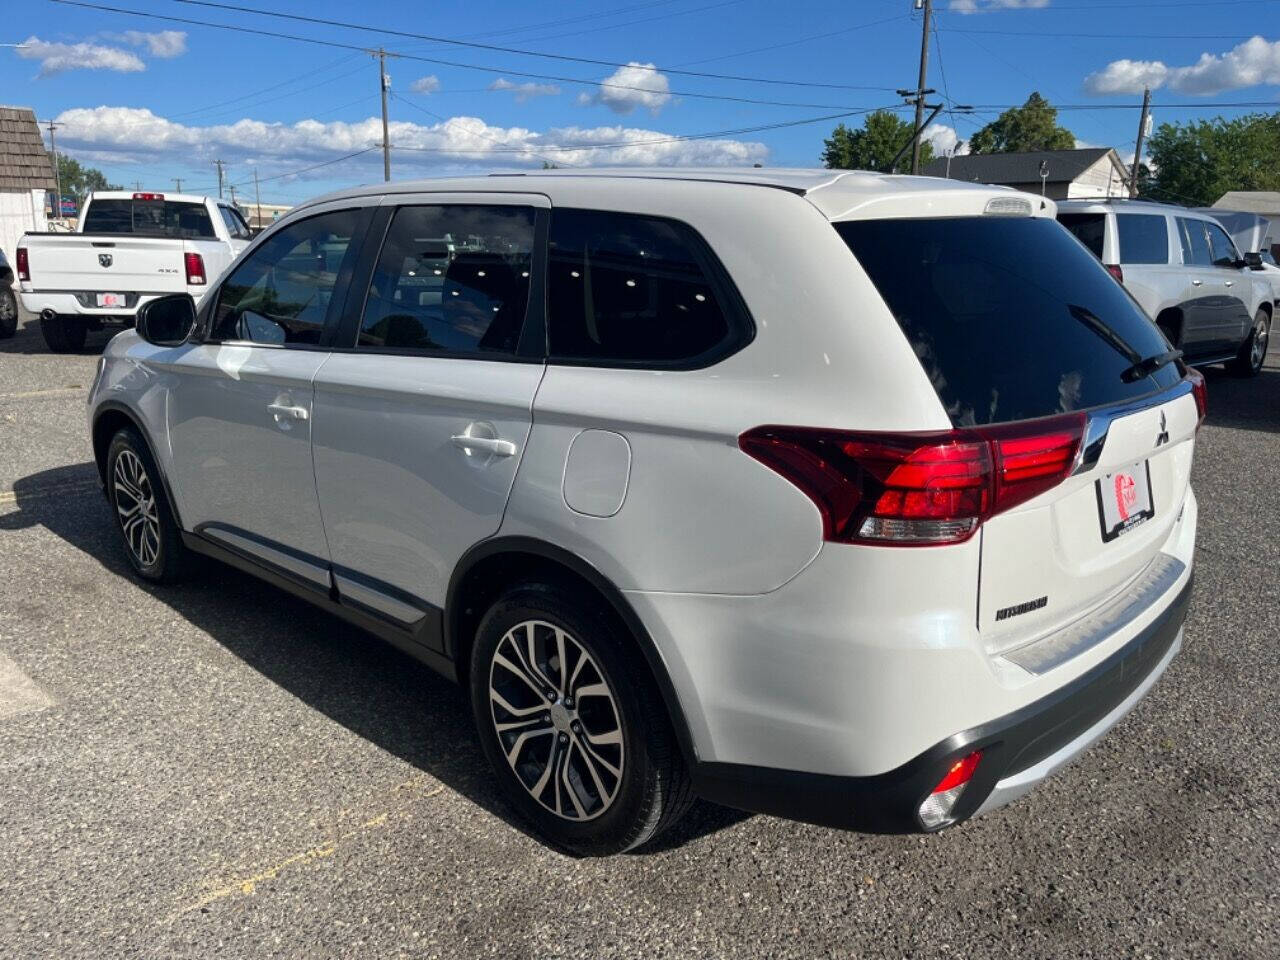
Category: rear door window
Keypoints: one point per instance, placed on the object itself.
(627, 290)
(1010, 318)
(1144, 238)
(1089, 228)
(1195, 245)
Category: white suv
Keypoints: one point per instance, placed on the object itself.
(1185, 271)
(852, 498)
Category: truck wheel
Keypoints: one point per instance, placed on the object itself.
(8, 313)
(1248, 362)
(63, 334)
(152, 540)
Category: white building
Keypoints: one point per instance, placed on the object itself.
(26, 173)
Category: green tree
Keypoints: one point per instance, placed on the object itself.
(1196, 163)
(1032, 126)
(873, 146)
(77, 180)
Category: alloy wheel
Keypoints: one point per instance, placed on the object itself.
(557, 721)
(1259, 351)
(136, 508)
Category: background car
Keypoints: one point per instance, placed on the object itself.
(8, 301)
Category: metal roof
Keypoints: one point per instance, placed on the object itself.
(24, 162)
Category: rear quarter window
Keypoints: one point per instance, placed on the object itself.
(1010, 318)
(1144, 238)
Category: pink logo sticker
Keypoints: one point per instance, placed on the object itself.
(1126, 495)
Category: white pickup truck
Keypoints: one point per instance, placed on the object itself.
(130, 248)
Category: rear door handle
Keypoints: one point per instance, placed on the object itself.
(286, 410)
(491, 445)
(1229, 282)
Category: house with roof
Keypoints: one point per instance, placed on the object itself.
(26, 174)
(1087, 173)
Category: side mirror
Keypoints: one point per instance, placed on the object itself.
(167, 321)
(1253, 261)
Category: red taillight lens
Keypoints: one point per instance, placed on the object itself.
(1198, 390)
(195, 268)
(1115, 271)
(918, 489)
(24, 264)
(148, 196)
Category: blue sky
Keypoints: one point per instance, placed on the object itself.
(148, 100)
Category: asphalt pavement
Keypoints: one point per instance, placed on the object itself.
(219, 770)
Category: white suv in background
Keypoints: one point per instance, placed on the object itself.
(1185, 271)
(852, 498)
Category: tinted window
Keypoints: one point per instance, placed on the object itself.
(1010, 318)
(282, 292)
(1195, 246)
(151, 218)
(451, 279)
(632, 290)
(235, 224)
(1222, 249)
(1144, 238)
(1088, 228)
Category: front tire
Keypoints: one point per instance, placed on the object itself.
(63, 334)
(152, 540)
(1248, 363)
(570, 719)
(8, 313)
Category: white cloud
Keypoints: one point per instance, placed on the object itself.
(59, 57)
(428, 84)
(165, 44)
(945, 139)
(525, 91)
(1254, 62)
(635, 85)
(122, 135)
(985, 6)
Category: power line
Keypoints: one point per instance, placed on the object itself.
(494, 48)
(1055, 35)
(450, 63)
(796, 42)
(430, 113)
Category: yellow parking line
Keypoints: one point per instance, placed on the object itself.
(55, 392)
(9, 496)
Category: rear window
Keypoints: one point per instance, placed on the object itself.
(1010, 318)
(150, 218)
(1144, 238)
(1088, 228)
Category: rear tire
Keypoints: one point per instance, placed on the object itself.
(576, 731)
(63, 334)
(8, 313)
(152, 540)
(1248, 362)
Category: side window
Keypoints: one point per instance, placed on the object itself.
(235, 226)
(1194, 240)
(635, 290)
(1223, 250)
(281, 293)
(1144, 238)
(1089, 229)
(451, 279)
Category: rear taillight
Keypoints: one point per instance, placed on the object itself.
(1198, 390)
(918, 489)
(195, 268)
(24, 264)
(1115, 271)
(936, 809)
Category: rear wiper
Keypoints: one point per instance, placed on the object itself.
(1149, 365)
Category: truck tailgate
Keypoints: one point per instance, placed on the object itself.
(109, 264)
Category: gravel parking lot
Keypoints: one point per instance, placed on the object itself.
(218, 769)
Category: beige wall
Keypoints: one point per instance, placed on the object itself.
(20, 211)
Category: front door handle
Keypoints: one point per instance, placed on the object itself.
(1229, 282)
(1197, 283)
(279, 410)
(490, 445)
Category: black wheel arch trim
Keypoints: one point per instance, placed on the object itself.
(604, 586)
(115, 406)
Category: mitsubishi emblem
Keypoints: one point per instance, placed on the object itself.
(104, 259)
(1163, 436)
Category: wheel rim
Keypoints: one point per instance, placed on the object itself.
(1259, 351)
(556, 720)
(136, 508)
(8, 306)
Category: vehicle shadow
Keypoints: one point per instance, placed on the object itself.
(28, 339)
(353, 678)
(1245, 403)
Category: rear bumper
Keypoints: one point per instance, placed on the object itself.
(1019, 749)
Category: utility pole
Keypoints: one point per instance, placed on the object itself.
(57, 174)
(177, 182)
(924, 76)
(233, 194)
(219, 164)
(384, 82)
(257, 195)
(1142, 135)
